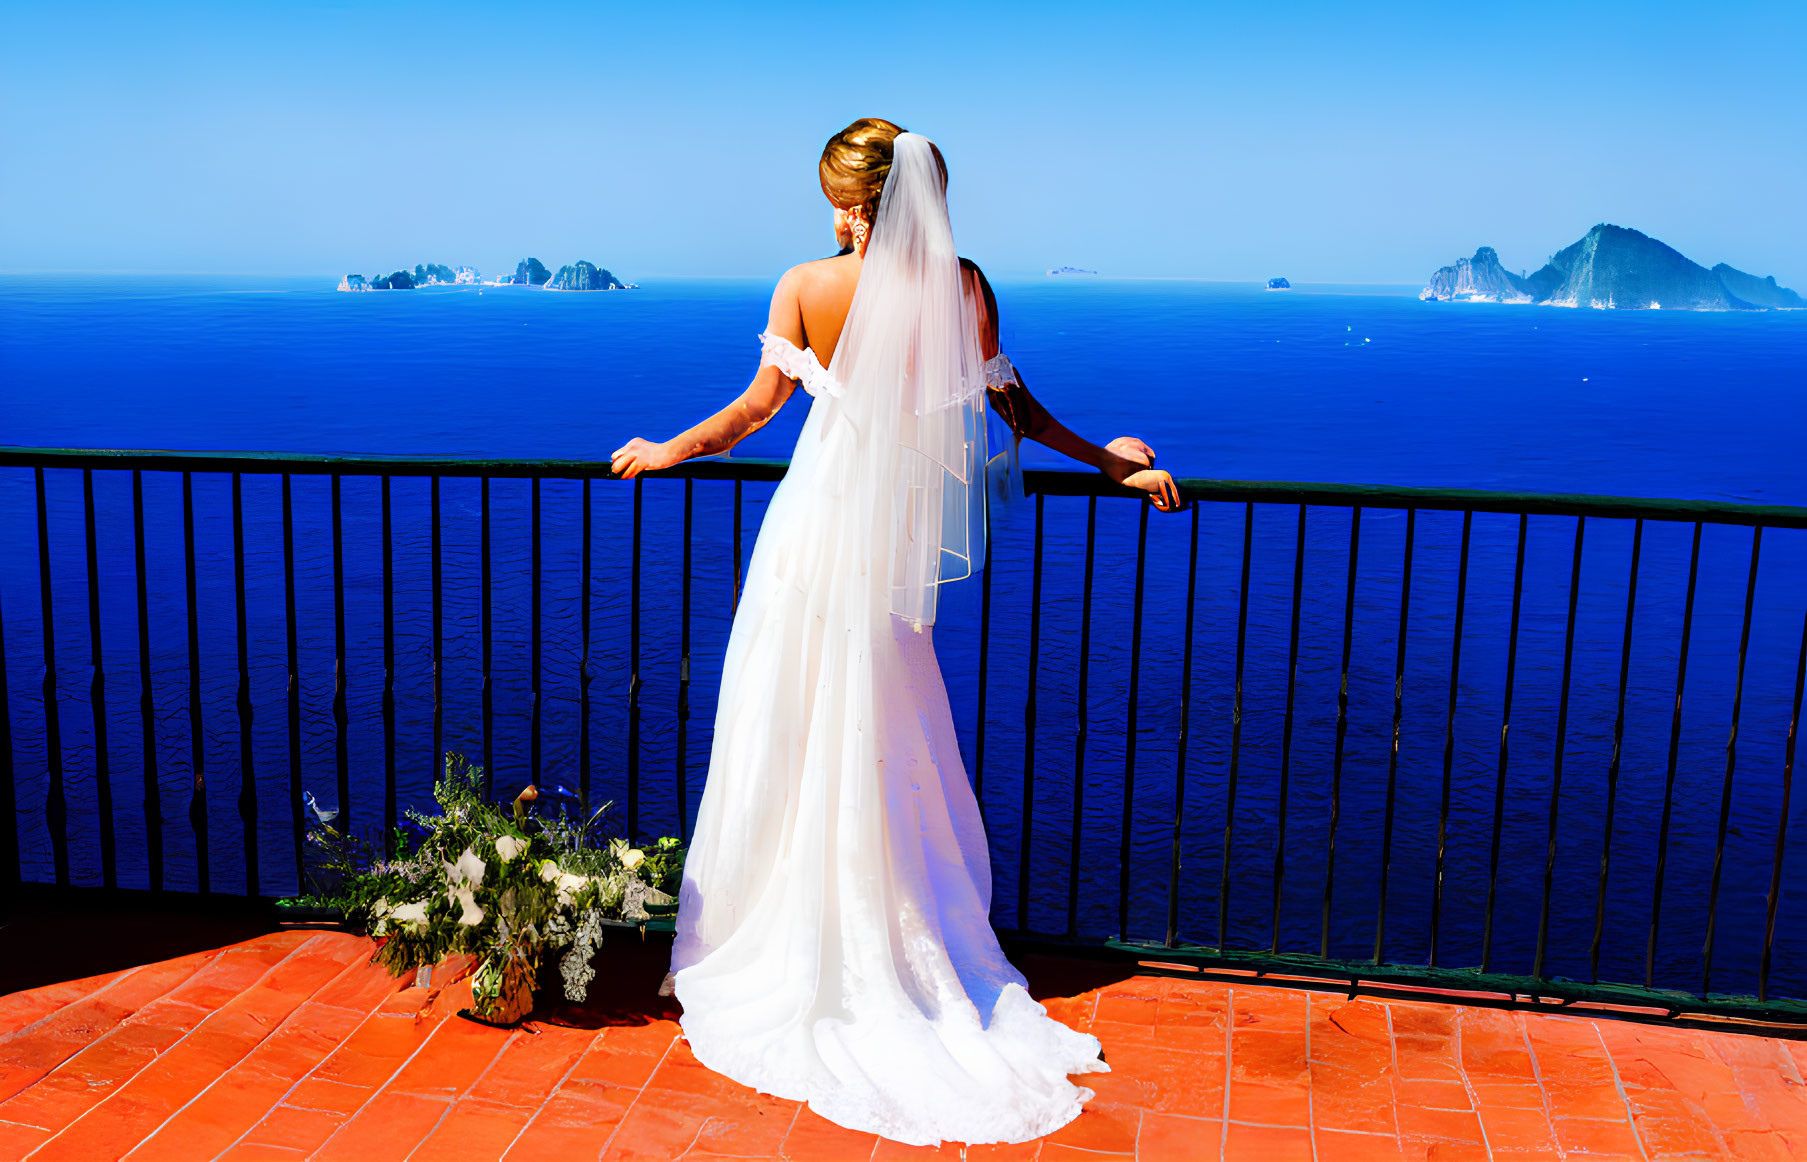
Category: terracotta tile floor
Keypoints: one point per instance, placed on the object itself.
(292, 1045)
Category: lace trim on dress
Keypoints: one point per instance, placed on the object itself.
(801, 365)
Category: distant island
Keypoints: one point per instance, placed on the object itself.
(425, 274)
(531, 272)
(1070, 270)
(1278, 284)
(527, 272)
(584, 276)
(1611, 267)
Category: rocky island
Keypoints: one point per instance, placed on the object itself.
(529, 272)
(424, 274)
(1610, 267)
(585, 276)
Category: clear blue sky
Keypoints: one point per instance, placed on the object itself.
(1358, 142)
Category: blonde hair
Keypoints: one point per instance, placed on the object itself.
(855, 163)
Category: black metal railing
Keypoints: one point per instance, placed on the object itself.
(1296, 816)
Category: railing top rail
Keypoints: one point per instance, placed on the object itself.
(1050, 482)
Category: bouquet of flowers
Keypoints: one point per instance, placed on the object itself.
(504, 887)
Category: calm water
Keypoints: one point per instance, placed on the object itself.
(1335, 384)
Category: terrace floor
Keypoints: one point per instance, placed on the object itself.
(291, 1045)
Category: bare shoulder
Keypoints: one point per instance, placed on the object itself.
(807, 281)
(820, 274)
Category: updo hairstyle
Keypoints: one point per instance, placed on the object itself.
(855, 163)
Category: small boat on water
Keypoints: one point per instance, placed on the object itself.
(1278, 284)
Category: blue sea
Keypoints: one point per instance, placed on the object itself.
(1361, 384)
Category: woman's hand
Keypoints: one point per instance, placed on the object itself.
(1159, 485)
(637, 456)
(1130, 448)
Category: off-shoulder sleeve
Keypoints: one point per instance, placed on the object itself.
(799, 364)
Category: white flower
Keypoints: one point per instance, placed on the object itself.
(472, 914)
(568, 887)
(549, 870)
(631, 858)
(468, 870)
(508, 846)
(414, 914)
(380, 908)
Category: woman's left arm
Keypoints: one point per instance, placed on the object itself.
(750, 411)
(1126, 459)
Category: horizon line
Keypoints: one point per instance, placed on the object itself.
(6, 272)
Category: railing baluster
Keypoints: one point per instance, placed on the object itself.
(1731, 764)
(487, 616)
(1562, 735)
(97, 693)
(1675, 742)
(1449, 738)
(633, 679)
(56, 807)
(1081, 718)
(984, 680)
(147, 714)
(247, 768)
(436, 766)
(583, 657)
(1229, 810)
(1386, 829)
(10, 870)
(197, 740)
(390, 813)
(297, 825)
(1035, 642)
(684, 667)
(1286, 728)
(1342, 729)
(1499, 779)
(1179, 769)
(341, 715)
(1612, 766)
(735, 603)
(535, 719)
(1775, 867)
(1129, 730)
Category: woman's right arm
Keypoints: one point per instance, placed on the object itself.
(750, 411)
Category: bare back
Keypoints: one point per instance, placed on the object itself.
(811, 304)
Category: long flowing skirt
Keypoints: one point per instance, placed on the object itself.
(833, 940)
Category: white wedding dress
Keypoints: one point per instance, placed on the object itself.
(833, 940)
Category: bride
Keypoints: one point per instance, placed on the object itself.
(833, 942)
